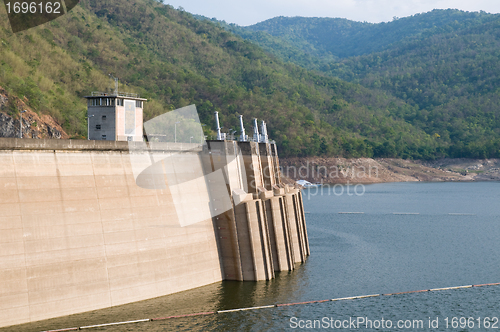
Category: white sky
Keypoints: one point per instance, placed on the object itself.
(254, 11)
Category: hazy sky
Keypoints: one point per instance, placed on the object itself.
(254, 11)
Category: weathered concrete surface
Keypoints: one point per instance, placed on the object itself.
(85, 145)
(265, 232)
(253, 165)
(268, 169)
(78, 234)
(253, 237)
(279, 234)
(296, 221)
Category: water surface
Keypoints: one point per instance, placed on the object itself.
(379, 239)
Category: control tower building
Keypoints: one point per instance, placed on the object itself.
(115, 116)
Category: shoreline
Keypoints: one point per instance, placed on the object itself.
(382, 170)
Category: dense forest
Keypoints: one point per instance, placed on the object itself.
(330, 105)
(444, 64)
(342, 38)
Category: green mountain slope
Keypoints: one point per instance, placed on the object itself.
(342, 38)
(451, 78)
(174, 60)
(444, 64)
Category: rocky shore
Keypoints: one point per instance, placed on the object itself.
(368, 170)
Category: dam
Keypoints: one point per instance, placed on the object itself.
(90, 224)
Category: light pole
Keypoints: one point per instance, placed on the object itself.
(231, 132)
(21, 124)
(201, 138)
(88, 126)
(190, 139)
(175, 131)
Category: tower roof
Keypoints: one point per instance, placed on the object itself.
(126, 95)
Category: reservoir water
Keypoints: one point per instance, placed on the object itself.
(373, 239)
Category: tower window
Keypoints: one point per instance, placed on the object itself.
(98, 127)
(103, 137)
(104, 117)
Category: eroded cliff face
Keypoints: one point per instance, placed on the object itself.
(33, 125)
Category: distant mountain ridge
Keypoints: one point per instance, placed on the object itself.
(173, 60)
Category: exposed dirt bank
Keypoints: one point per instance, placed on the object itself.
(33, 124)
(368, 170)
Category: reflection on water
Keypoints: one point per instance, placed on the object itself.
(452, 241)
(286, 287)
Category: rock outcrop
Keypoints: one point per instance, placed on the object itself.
(33, 125)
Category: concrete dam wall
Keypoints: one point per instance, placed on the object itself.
(86, 225)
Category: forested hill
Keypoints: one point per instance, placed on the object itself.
(444, 64)
(173, 60)
(342, 38)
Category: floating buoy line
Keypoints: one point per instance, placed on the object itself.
(408, 213)
(266, 307)
(351, 213)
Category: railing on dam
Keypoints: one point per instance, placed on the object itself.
(91, 145)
